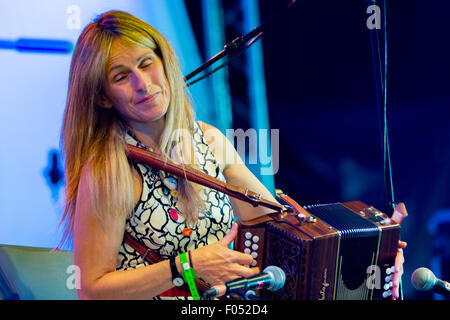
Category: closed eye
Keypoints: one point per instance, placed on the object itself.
(120, 77)
(147, 63)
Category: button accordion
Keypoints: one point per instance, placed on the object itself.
(339, 251)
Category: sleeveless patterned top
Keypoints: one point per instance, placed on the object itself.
(156, 220)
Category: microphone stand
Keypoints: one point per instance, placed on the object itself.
(238, 43)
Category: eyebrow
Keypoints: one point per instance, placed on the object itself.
(139, 60)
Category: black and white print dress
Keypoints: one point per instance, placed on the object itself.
(157, 221)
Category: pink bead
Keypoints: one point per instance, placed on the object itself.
(173, 214)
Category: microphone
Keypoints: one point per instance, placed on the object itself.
(272, 278)
(423, 279)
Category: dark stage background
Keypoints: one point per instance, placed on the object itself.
(321, 95)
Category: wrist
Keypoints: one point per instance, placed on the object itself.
(178, 264)
(177, 279)
(190, 258)
(195, 262)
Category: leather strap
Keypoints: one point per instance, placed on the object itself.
(145, 253)
(152, 257)
(155, 160)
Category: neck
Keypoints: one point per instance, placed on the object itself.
(149, 135)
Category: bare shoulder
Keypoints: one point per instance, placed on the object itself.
(214, 138)
(222, 149)
(209, 130)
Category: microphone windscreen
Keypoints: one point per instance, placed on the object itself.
(423, 279)
(278, 276)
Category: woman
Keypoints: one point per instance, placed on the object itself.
(126, 86)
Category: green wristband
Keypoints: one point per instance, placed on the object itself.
(189, 276)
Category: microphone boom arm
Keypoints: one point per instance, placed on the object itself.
(237, 43)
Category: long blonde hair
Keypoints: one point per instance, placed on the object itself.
(94, 135)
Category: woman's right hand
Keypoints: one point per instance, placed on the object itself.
(217, 264)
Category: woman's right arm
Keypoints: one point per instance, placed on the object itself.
(96, 246)
(97, 243)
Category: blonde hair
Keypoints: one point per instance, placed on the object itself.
(94, 135)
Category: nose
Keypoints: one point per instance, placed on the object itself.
(141, 82)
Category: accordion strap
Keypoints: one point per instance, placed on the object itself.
(155, 160)
(152, 257)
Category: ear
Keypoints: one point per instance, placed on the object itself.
(104, 102)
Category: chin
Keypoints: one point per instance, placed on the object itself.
(155, 117)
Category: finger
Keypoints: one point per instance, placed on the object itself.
(396, 283)
(402, 244)
(230, 236)
(398, 265)
(398, 272)
(399, 260)
(395, 293)
(242, 258)
(239, 271)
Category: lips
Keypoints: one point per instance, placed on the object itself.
(148, 98)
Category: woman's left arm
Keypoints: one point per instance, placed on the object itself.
(236, 173)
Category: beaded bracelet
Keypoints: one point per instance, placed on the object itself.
(189, 276)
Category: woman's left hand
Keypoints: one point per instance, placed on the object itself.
(399, 260)
(399, 214)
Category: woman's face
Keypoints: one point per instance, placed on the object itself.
(137, 85)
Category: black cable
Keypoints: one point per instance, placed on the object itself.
(387, 155)
(380, 69)
(379, 55)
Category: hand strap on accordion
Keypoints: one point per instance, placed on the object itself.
(156, 160)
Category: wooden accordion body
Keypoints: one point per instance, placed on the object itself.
(339, 251)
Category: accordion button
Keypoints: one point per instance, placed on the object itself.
(247, 243)
(255, 239)
(254, 263)
(248, 235)
(255, 246)
(311, 219)
(247, 251)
